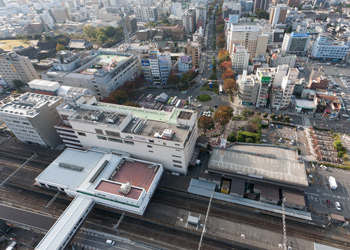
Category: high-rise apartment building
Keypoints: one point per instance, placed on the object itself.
(189, 21)
(248, 88)
(61, 14)
(249, 36)
(261, 4)
(146, 13)
(15, 67)
(176, 10)
(278, 14)
(31, 118)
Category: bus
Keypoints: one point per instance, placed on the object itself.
(169, 101)
(173, 101)
(178, 103)
(220, 89)
(149, 97)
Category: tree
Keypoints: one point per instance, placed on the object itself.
(37, 37)
(175, 44)
(188, 76)
(247, 112)
(262, 14)
(219, 21)
(17, 84)
(101, 32)
(60, 47)
(118, 96)
(47, 38)
(229, 85)
(280, 117)
(265, 115)
(220, 43)
(249, 140)
(110, 31)
(228, 75)
(223, 115)
(223, 56)
(220, 28)
(289, 29)
(273, 116)
(173, 79)
(165, 21)
(101, 39)
(232, 137)
(225, 65)
(206, 123)
(287, 118)
(90, 31)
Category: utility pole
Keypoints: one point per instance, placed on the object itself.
(205, 222)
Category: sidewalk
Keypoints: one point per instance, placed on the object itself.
(312, 156)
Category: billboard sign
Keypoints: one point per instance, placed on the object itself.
(239, 48)
(244, 28)
(145, 63)
(163, 59)
(186, 59)
(152, 55)
(300, 34)
(233, 18)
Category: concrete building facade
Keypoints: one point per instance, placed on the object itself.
(248, 88)
(239, 58)
(296, 43)
(325, 48)
(31, 118)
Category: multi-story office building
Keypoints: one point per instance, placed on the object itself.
(194, 50)
(31, 118)
(278, 14)
(189, 21)
(279, 73)
(167, 137)
(293, 3)
(239, 58)
(47, 19)
(296, 43)
(248, 88)
(249, 36)
(176, 10)
(279, 59)
(201, 14)
(131, 24)
(15, 67)
(265, 78)
(184, 63)
(325, 48)
(101, 71)
(146, 13)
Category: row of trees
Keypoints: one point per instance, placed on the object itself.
(185, 79)
(220, 43)
(228, 76)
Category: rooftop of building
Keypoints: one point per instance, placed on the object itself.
(269, 162)
(107, 62)
(99, 170)
(29, 104)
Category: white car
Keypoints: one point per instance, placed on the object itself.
(263, 140)
(337, 205)
(110, 242)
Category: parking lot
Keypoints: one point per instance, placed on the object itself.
(319, 192)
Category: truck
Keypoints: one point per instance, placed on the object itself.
(332, 183)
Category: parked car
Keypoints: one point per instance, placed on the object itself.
(110, 242)
(337, 205)
(328, 203)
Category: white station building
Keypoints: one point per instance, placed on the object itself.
(107, 177)
(165, 137)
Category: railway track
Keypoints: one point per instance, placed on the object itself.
(249, 217)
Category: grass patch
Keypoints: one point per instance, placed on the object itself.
(204, 98)
(214, 88)
(10, 44)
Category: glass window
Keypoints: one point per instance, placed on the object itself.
(101, 137)
(115, 140)
(99, 131)
(111, 133)
(129, 142)
(81, 133)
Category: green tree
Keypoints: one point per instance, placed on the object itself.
(220, 28)
(110, 31)
(37, 37)
(265, 115)
(206, 123)
(249, 140)
(101, 39)
(175, 44)
(273, 116)
(60, 47)
(47, 38)
(287, 118)
(280, 117)
(262, 14)
(17, 84)
(232, 137)
(90, 31)
(223, 115)
(165, 21)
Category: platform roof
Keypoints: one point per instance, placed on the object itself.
(271, 163)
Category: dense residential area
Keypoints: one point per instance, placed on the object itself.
(174, 124)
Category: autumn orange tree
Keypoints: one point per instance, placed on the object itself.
(206, 123)
(230, 85)
(228, 74)
(223, 55)
(223, 115)
(219, 21)
(225, 65)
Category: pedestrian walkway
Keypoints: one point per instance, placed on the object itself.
(312, 156)
(306, 121)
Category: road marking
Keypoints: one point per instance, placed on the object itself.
(312, 194)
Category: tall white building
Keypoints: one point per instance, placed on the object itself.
(15, 67)
(146, 13)
(248, 88)
(288, 84)
(47, 19)
(176, 10)
(325, 47)
(167, 137)
(280, 73)
(31, 118)
(248, 35)
(239, 58)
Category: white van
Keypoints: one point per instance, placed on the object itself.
(110, 242)
(337, 205)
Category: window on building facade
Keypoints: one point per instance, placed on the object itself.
(101, 137)
(99, 131)
(81, 133)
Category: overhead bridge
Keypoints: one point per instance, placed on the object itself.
(62, 232)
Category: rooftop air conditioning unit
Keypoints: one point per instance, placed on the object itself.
(125, 188)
